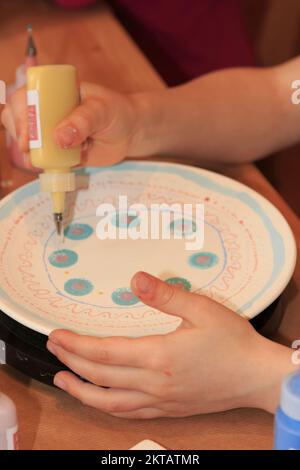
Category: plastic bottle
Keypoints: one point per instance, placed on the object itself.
(8, 424)
(287, 420)
(52, 93)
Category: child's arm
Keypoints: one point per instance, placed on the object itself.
(214, 362)
(232, 115)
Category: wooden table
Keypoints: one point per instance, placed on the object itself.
(49, 419)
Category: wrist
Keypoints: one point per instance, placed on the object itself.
(147, 122)
(273, 364)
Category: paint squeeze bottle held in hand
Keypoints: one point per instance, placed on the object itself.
(8, 424)
(18, 158)
(287, 420)
(52, 94)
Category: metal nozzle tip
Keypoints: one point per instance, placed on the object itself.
(58, 220)
(30, 48)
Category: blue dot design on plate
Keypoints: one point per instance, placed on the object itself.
(78, 231)
(125, 220)
(78, 287)
(124, 296)
(203, 260)
(180, 283)
(63, 258)
(184, 227)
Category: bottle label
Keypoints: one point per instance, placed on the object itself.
(12, 438)
(34, 121)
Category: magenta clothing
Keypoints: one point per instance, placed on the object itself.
(187, 38)
(184, 38)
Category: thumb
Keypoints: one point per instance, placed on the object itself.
(168, 298)
(88, 118)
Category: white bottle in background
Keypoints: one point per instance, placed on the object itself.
(8, 424)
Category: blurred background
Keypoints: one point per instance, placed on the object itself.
(181, 38)
(274, 31)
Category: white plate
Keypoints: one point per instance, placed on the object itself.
(248, 256)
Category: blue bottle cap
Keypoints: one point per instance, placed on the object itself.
(290, 396)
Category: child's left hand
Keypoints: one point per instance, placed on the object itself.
(214, 361)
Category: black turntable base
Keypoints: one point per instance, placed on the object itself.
(25, 349)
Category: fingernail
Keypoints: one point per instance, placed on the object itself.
(145, 283)
(66, 136)
(60, 383)
(53, 339)
(51, 348)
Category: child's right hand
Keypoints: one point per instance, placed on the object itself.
(213, 362)
(104, 123)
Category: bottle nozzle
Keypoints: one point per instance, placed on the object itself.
(31, 48)
(58, 220)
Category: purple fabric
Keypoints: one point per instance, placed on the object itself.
(187, 38)
(184, 38)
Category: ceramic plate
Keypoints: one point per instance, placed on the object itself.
(83, 284)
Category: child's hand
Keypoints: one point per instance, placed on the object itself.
(104, 123)
(214, 361)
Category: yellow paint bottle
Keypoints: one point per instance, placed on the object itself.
(52, 94)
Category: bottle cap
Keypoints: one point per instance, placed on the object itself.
(290, 396)
(57, 182)
(8, 414)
